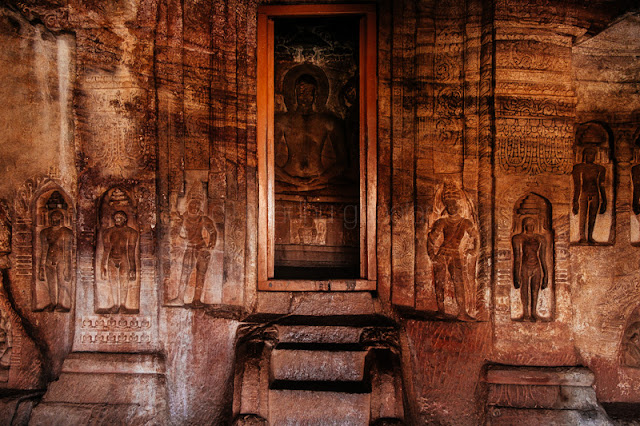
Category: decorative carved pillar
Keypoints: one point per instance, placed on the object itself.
(534, 104)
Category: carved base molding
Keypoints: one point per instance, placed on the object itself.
(105, 388)
(542, 395)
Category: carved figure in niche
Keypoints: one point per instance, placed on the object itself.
(591, 221)
(6, 346)
(117, 253)
(304, 135)
(450, 255)
(530, 272)
(200, 234)
(532, 244)
(55, 267)
(631, 346)
(53, 249)
(589, 196)
(119, 262)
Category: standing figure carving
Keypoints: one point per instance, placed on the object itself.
(532, 244)
(589, 196)
(200, 235)
(53, 251)
(591, 219)
(304, 135)
(55, 267)
(530, 272)
(119, 263)
(452, 245)
(117, 255)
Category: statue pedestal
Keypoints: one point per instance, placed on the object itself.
(109, 388)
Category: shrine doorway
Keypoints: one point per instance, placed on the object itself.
(317, 147)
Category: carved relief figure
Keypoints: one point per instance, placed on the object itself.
(452, 245)
(532, 244)
(200, 234)
(631, 346)
(589, 196)
(55, 267)
(6, 346)
(119, 262)
(195, 276)
(591, 220)
(53, 252)
(117, 280)
(530, 272)
(304, 135)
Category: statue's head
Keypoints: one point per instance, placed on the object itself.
(452, 205)
(56, 217)
(306, 86)
(589, 155)
(529, 225)
(120, 218)
(193, 207)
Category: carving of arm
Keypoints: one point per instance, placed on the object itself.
(68, 247)
(106, 251)
(543, 262)
(603, 193)
(576, 189)
(211, 230)
(131, 253)
(431, 237)
(517, 260)
(44, 246)
(335, 136)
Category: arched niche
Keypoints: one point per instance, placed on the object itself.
(117, 260)
(54, 242)
(532, 240)
(593, 198)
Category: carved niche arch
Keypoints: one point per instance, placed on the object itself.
(117, 274)
(54, 248)
(594, 167)
(532, 240)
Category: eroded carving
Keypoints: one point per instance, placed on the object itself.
(590, 182)
(193, 279)
(6, 346)
(54, 252)
(116, 330)
(5, 235)
(200, 235)
(534, 145)
(452, 245)
(631, 346)
(117, 255)
(532, 244)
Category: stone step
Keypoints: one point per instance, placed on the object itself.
(317, 365)
(318, 334)
(307, 408)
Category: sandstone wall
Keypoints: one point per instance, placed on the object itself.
(142, 107)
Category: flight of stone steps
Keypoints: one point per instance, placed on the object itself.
(295, 374)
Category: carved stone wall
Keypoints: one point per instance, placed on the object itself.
(128, 244)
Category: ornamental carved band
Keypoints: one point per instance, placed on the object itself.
(533, 146)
